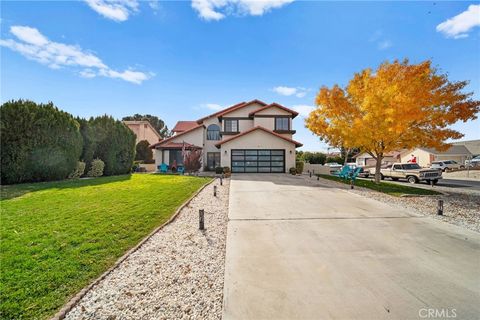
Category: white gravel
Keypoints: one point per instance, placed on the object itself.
(176, 274)
(460, 207)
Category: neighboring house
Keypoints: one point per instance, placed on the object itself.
(144, 131)
(247, 137)
(472, 145)
(366, 160)
(425, 156)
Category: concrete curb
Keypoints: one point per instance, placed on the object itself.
(73, 301)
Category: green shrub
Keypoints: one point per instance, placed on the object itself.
(311, 157)
(143, 151)
(218, 170)
(114, 144)
(79, 171)
(136, 166)
(299, 166)
(293, 170)
(38, 142)
(96, 170)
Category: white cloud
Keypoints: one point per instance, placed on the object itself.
(154, 4)
(117, 10)
(458, 26)
(212, 106)
(385, 44)
(303, 110)
(299, 92)
(35, 46)
(218, 9)
(380, 40)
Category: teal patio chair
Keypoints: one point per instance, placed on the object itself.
(163, 168)
(181, 169)
(343, 173)
(354, 174)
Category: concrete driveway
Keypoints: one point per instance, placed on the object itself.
(299, 251)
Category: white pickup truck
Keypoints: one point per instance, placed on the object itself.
(412, 172)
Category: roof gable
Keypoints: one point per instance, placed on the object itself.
(297, 144)
(164, 141)
(184, 125)
(128, 123)
(275, 105)
(231, 109)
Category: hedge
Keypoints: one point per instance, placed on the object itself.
(114, 144)
(38, 142)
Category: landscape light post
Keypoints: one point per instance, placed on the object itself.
(440, 207)
(201, 219)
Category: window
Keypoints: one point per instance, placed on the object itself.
(397, 167)
(411, 166)
(282, 124)
(213, 132)
(231, 125)
(175, 158)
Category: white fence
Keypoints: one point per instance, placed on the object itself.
(317, 168)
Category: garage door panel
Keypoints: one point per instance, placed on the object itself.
(257, 160)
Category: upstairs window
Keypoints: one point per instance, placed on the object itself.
(231, 125)
(213, 132)
(282, 124)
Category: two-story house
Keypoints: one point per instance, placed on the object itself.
(247, 137)
(143, 131)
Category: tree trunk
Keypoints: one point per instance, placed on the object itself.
(378, 166)
(347, 152)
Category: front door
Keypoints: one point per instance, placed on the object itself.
(213, 160)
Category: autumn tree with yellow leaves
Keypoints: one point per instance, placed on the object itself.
(398, 106)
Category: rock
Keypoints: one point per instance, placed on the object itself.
(178, 273)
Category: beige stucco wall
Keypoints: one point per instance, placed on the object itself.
(193, 137)
(273, 110)
(259, 140)
(423, 157)
(244, 125)
(243, 112)
(268, 123)
(143, 132)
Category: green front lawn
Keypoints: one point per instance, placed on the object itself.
(385, 187)
(56, 237)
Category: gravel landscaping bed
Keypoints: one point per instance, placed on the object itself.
(461, 208)
(177, 274)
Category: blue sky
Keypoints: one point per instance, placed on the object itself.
(182, 60)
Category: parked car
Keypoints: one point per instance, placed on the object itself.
(446, 165)
(412, 172)
(475, 162)
(333, 165)
(364, 173)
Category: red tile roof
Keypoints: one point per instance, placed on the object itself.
(230, 109)
(275, 105)
(178, 145)
(184, 125)
(297, 144)
(160, 143)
